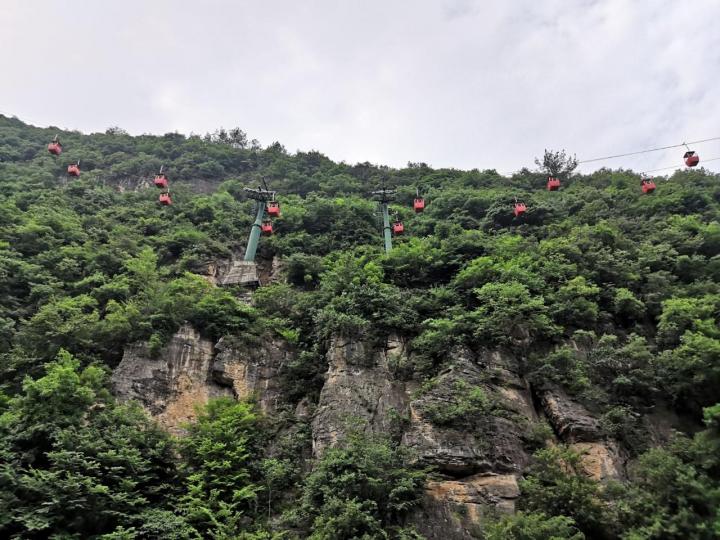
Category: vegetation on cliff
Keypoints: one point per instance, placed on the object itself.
(611, 295)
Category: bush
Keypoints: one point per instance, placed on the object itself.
(533, 526)
(363, 488)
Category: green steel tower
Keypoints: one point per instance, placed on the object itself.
(261, 197)
(384, 196)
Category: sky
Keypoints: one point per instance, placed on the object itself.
(452, 83)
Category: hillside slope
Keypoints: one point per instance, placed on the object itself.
(550, 375)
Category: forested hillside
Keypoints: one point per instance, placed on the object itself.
(598, 307)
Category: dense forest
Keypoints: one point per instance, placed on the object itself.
(611, 295)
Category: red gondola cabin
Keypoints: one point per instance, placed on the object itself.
(520, 209)
(266, 227)
(273, 208)
(73, 170)
(398, 227)
(161, 181)
(165, 199)
(691, 158)
(55, 148)
(553, 184)
(648, 186)
(419, 205)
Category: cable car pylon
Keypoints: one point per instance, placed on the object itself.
(384, 196)
(264, 199)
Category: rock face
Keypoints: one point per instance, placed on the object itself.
(360, 393)
(574, 425)
(571, 421)
(252, 371)
(488, 442)
(189, 371)
(173, 384)
(470, 422)
(455, 509)
(482, 458)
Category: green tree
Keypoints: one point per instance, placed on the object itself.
(219, 450)
(75, 464)
(360, 490)
(556, 485)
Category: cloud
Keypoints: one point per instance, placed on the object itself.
(459, 83)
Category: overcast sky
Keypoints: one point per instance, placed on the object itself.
(456, 83)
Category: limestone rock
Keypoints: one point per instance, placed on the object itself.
(454, 509)
(252, 371)
(492, 442)
(601, 460)
(570, 420)
(170, 386)
(359, 393)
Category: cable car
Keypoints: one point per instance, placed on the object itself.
(273, 208)
(691, 158)
(161, 181)
(398, 227)
(165, 199)
(419, 202)
(55, 147)
(648, 186)
(74, 169)
(553, 183)
(266, 227)
(520, 209)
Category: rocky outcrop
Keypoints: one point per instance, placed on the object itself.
(481, 456)
(470, 423)
(570, 420)
(171, 385)
(602, 458)
(454, 509)
(252, 371)
(359, 394)
(190, 370)
(489, 441)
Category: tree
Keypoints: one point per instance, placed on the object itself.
(73, 463)
(556, 163)
(533, 526)
(218, 451)
(363, 488)
(556, 485)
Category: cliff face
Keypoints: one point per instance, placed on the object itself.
(171, 385)
(190, 370)
(470, 423)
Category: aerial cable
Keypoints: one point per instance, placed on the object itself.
(649, 150)
(676, 167)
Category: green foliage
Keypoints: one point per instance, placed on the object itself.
(360, 491)
(556, 485)
(218, 452)
(466, 404)
(75, 464)
(507, 311)
(693, 370)
(675, 492)
(88, 268)
(533, 526)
